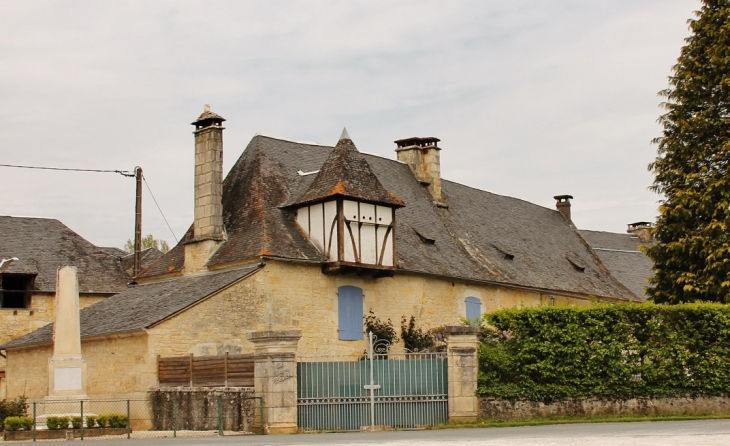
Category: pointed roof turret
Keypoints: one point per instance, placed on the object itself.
(345, 173)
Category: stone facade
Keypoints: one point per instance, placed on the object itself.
(494, 409)
(268, 300)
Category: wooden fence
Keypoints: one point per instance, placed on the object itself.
(205, 371)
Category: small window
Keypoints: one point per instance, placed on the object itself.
(15, 290)
(350, 313)
(473, 309)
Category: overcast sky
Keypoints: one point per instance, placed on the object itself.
(530, 99)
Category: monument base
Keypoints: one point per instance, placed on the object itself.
(66, 379)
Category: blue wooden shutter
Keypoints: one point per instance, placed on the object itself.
(473, 309)
(349, 303)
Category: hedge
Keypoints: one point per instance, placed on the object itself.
(614, 352)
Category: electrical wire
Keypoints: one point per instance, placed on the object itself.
(158, 208)
(120, 172)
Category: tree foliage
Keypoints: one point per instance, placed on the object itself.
(148, 241)
(692, 169)
(617, 351)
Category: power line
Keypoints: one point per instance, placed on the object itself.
(158, 208)
(120, 172)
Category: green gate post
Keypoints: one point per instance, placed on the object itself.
(82, 420)
(129, 421)
(34, 420)
(220, 415)
(174, 418)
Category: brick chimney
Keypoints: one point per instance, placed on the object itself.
(422, 156)
(642, 229)
(562, 204)
(208, 224)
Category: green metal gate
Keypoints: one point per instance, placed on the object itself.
(387, 390)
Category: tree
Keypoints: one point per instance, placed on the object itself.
(692, 169)
(148, 241)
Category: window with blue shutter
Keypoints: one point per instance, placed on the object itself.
(350, 313)
(473, 309)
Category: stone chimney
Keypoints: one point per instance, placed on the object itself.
(208, 133)
(562, 204)
(642, 229)
(422, 156)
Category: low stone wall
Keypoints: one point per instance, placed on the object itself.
(495, 409)
(197, 408)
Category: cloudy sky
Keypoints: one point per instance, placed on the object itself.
(529, 98)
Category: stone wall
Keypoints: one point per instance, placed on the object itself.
(117, 367)
(197, 409)
(309, 303)
(494, 409)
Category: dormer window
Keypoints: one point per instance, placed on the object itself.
(15, 290)
(347, 214)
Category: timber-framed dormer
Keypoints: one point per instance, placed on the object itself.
(348, 215)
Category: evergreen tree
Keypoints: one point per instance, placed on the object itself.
(692, 169)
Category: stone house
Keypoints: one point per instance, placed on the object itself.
(311, 237)
(33, 249)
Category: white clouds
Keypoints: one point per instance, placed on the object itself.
(530, 99)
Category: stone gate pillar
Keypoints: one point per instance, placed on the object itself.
(462, 343)
(275, 378)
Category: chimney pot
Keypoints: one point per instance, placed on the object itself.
(563, 205)
(642, 229)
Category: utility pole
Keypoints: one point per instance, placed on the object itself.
(138, 223)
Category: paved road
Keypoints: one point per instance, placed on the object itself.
(670, 433)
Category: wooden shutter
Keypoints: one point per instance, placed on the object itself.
(473, 308)
(349, 303)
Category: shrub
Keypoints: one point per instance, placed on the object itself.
(606, 351)
(90, 421)
(102, 420)
(13, 408)
(415, 339)
(76, 422)
(18, 423)
(56, 423)
(117, 420)
(383, 331)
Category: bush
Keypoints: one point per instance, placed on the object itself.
(117, 420)
(383, 331)
(90, 421)
(13, 408)
(616, 351)
(76, 422)
(18, 423)
(56, 423)
(415, 339)
(102, 420)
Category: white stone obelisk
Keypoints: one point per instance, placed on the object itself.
(67, 368)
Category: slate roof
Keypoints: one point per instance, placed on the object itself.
(148, 257)
(620, 253)
(345, 173)
(44, 244)
(467, 240)
(142, 306)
